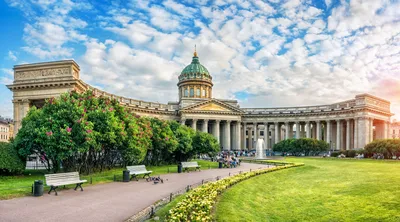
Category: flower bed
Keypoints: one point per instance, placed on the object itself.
(198, 204)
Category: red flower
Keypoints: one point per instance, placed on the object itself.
(88, 131)
(49, 133)
(69, 129)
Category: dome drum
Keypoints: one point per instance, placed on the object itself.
(195, 81)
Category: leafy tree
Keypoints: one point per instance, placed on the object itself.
(184, 135)
(10, 161)
(164, 143)
(204, 143)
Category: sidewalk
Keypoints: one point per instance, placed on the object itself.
(104, 202)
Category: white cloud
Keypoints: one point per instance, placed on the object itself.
(274, 50)
(12, 56)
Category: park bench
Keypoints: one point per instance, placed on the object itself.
(61, 179)
(187, 165)
(134, 171)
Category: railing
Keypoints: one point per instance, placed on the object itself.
(133, 102)
(304, 109)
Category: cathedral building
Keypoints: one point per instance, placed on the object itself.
(349, 124)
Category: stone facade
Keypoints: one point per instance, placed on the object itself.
(4, 130)
(349, 124)
(394, 130)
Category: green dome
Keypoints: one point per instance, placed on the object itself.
(195, 71)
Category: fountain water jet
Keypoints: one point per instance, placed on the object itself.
(260, 149)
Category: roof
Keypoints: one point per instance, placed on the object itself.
(195, 70)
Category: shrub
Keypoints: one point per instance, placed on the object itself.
(336, 153)
(10, 161)
(198, 204)
(306, 146)
(387, 147)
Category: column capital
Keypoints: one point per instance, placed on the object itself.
(228, 121)
(276, 122)
(286, 122)
(265, 123)
(194, 120)
(317, 121)
(337, 120)
(255, 123)
(205, 120)
(218, 120)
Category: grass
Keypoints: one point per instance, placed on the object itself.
(17, 186)
(322, 190)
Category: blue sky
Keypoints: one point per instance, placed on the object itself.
(263, 53)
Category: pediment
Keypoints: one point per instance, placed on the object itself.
(212, 105)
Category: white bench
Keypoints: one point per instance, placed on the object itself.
(134, 171)
(187, 165)
(59, 179)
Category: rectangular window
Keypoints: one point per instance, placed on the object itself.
(191, 92)
(247, 133)
(204, 92)
(186, 93)
(261, 133)
(198, 92)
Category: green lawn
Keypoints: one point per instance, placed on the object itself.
(16, 186)
(322, 190)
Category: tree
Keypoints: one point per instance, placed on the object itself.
(83, 132)
(204, 143)
(163, 141)
(184, 135)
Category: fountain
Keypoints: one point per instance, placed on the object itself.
(260, 149)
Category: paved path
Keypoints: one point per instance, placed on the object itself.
(104, 202)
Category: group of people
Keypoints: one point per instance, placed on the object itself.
(229, 159)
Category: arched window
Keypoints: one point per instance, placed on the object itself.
(186, 93)
(204, 92)
(197, 92)
(191, 92)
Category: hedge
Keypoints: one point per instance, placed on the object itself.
(387, 147)
(198, 204)
(10, 162)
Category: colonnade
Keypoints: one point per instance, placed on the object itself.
(227, 132)
(349, 133)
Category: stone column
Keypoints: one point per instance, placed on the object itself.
(386, 129)
(347, 134)
(308, 131)
(255, 129)
(205, 126)
(237, 146)
(318, 130)
(297, 130)
(250, 140)
(363, 132)
(227, 135)
(287, 129)
(356, 132)
(266, 136)
(328, 132)
(276, 132)
(183, 121)
(244, 136)
(371, 130)
(338, 132)
(194, 124)
(216, 130)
